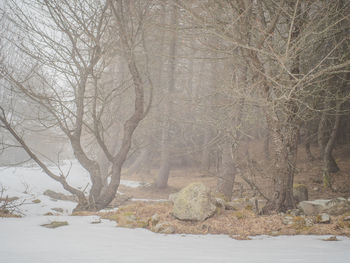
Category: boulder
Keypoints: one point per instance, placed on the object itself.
(300, 193)
(337, 206)
(194, 202)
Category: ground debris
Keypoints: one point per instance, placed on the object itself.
(55, 224)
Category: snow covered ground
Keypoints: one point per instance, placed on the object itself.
(24, 240)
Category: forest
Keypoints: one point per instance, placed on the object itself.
(249, 99)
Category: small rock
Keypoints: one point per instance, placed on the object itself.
(324, 218)
(332, 238)
(96, 221)
(347, 218)
(316, 189)
(155, 219)
(220, 203)
(309, 221)
(164, 228)
(36, 201)
(295, 212)
(288, 220)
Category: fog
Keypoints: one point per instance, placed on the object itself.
(128, 87)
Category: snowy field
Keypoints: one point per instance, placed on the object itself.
(23, 240)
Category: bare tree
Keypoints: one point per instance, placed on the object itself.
(76, 42)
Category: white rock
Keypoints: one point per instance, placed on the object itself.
(325, 218)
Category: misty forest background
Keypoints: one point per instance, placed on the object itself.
(124, 86)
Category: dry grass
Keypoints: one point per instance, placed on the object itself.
(8, 215)
(237, 224)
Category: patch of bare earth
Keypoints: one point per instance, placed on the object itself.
(255, 167)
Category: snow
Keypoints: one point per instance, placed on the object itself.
(29, 183)
(24, 240)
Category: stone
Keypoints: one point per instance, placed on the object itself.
(309, 222)
(324, 218)
(337, 206)
(347, 218)
(295, 212)
(288, 220)
(220, 203)
(194, 202)
(331, 238)
(155, 219)
(96, 221)
(300, 193)
(164, 228)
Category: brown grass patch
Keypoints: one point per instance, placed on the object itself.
(6, 214)
(238, 224)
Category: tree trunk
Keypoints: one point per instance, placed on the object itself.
(330, 165)
(321, 133)
(227, 173)
(284, 157)
(309, 155)
(163, 175)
